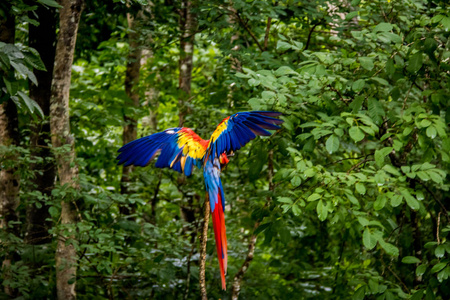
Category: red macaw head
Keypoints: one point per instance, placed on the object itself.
(223, 158)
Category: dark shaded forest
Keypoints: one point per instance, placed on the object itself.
(348, 200)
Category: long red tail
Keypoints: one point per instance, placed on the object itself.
(220, 235)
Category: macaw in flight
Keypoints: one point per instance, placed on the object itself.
(181, 148)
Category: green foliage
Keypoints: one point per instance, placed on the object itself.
(22, 60)
(357, 206)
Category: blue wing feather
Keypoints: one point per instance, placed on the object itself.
(240, 128)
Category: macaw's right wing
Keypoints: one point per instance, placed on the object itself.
(237, 130)
(179, 148)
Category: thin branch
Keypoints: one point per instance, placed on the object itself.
(252, 243)
(203, 240)
(249, 31)
(309, 36)
(188, 279)
(358, 164)
(248, 259)
(340, 95)
(266, 37)
(406, 97)
(399, 279)
(437, 230)
(435, 199)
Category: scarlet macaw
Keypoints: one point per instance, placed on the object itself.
(180, 148)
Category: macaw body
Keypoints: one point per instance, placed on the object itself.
(181, 148)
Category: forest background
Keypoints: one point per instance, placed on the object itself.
(349, 199)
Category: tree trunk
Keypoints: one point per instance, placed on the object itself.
(187, 28)
(131, 84)
(70, 13)
(9, 136)
(42, 38)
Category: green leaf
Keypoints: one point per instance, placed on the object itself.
(396, 200)
(431, 132)
(439, 251)
(50, 3)
(31, 104)
(53, 211)
(34, 59)
(363, 221)
(369, 240)
(261, 228)
(332, 143)
(389, 248)
(296, 181)
(415, 62)
(267, 95)
(425, 123)
(360, 188)
(322, 211)
(24, 71)
(410, 260)
(359, 293)
(296, 210)
(410, 200)
(438, 267)
(351, 15)
(376, 111)
(417, 295)
(356, 134)
(284, 70)
(283, 46)
(383, 27)
(380, 202)
(313, 197)
(381, 154)
(358, 85)
(420, 270)
(366, 63)
(284, 200)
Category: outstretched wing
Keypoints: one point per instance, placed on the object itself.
(237, 130)
(180, 148)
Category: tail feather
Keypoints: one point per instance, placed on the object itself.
(220, 235)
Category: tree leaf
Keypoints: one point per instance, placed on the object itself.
(380, 202)
(396, 200)
(438, 267)
(381, 154)
(369, 240)
(410, 200)
(296, 181)
(383, 27)
(313, 197)
(332, 144)
(410, 260)
(415, 62)
(322, 211)
(31, 104)
(284, 200)
(360, 188)
(283, 46)
(366, 63)
(376, 111)
(356, 134)
(389, 248)
(284, 70)
(420, 270)
(358, 85)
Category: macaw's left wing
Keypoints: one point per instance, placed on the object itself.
(180, 148)
(237, 130)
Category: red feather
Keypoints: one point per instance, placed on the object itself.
(220, 235)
